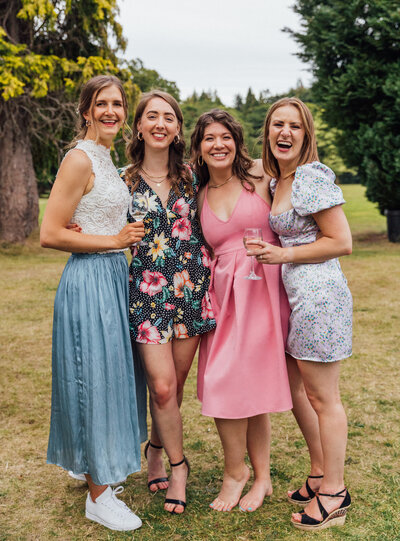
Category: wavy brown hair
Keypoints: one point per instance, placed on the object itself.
(241, 164)
(177, 171)
(87, 98)
(308, 153)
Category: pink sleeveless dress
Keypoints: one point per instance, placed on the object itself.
(242, 367)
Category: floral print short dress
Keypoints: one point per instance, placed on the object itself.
(170, 271)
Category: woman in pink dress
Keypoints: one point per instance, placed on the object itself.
(242, 370)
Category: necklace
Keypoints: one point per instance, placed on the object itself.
(222, 184)
(157, 180)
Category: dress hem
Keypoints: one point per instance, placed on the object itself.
(319, 360)
(278, 410)
(199, 333)
(67, 469)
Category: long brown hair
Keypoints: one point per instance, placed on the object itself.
(241, 164)
(177, 171)
(308, 153)
(87, 98)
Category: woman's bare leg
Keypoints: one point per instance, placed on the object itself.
(155, 464)
(233, 434)
(258, 447)
(95, 490)
(166, 372)
(321, 381)
(307, 420)
(161, 380)
(183, 352)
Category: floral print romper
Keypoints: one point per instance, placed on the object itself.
(170, 271)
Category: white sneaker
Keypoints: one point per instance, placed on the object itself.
(77, 476)
(111, 512)
(81, 477)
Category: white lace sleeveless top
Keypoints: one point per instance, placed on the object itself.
(102, 211)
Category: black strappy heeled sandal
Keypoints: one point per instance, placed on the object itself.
(298, 498)
(173, 500)
(334, 518)
(158, 479)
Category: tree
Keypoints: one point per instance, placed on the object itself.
(47, 49)
(147, 79)
(327, 147)
(354, 50)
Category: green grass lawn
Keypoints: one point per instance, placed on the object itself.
(40, 502)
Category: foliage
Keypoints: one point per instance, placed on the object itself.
(47, 46)
(52, 46)
(328, 151)
(47, 50)
(354, 50)
(251, 110)
(149, 79)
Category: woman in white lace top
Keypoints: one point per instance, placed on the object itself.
(94, 418)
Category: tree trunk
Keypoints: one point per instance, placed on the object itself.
(19, 200)
(393, 225)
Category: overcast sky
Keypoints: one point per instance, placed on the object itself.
(223, 45)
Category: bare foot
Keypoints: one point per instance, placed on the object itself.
(255, 496)
(177, 488)
(156, 469)
(314, 485)
(312, 509)
(231, 491)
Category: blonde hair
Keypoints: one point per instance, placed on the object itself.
(308, 153)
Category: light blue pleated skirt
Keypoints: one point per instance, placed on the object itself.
(98, 409)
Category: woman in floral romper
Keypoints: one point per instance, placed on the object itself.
(169, 273)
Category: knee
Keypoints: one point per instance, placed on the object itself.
(162, 393)
(325, 404)
(316, 402)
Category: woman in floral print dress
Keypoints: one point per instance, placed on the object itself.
(306, 214)
(169, 273)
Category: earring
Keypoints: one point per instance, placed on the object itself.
(200, 162)
(176, 139)
(140, 136)
(88, 123)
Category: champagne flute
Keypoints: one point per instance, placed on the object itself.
(138, 206)
(252, 233)
(138, 209)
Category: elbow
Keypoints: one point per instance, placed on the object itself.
(46, 240)
(347, 247)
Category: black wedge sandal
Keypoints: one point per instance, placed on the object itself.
(334, 518)
(158, 479)
(173, 500)
(298, 498)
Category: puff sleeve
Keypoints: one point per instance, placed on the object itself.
(314, 189)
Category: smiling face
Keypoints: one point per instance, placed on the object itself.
(106, 115)
(218, 148)
(158, 124)
(286, 136)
